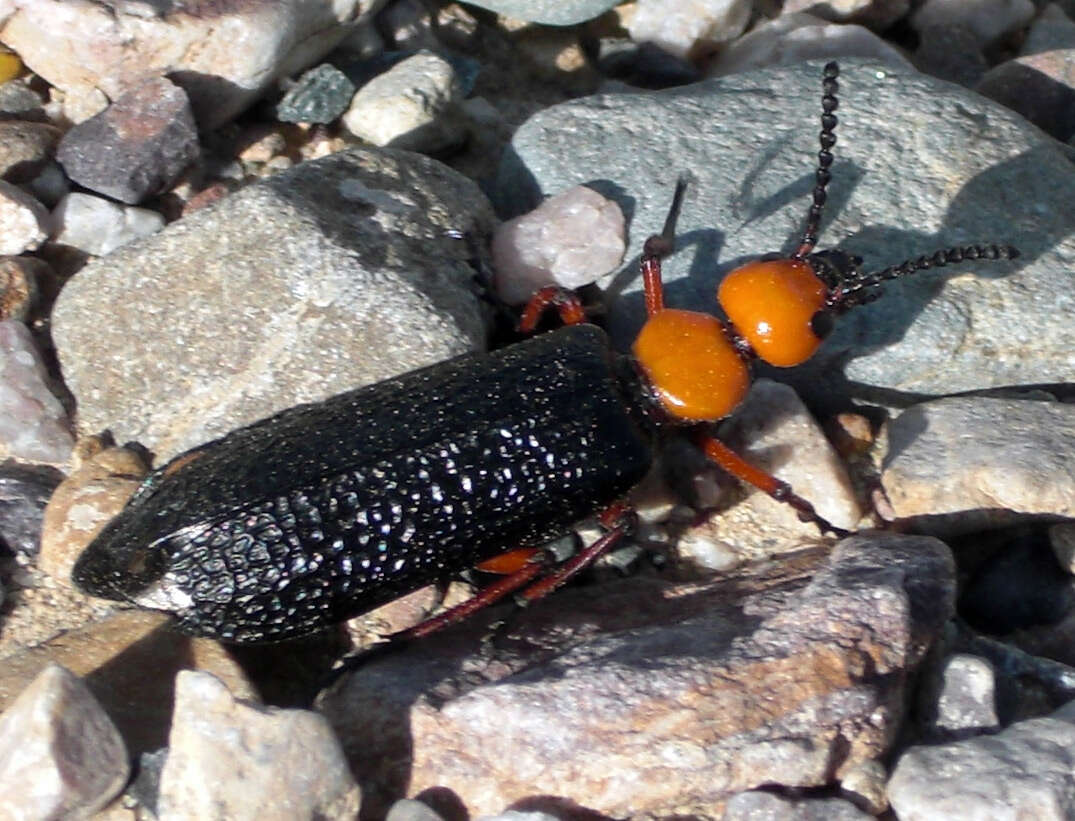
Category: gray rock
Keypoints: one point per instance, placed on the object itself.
(229, 759)
(98, 226)
(319, 96)
(335, 274)
(1023, 772)
(407, 809)
(82, 47)
(24, 492)
(549, 12)
(686, 29)
(751, 142)
(974, 460)
(951, 52)
(25, 148)
(650, 697)
(20, 102)
(135, 148)
(763, 806)
(877, 14)
(988, 19)
(33, 424)
(60, 755)
(966, 704)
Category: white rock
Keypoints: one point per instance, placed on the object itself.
(570, 240)
(24, 222)
(99, 226)
(60, 754)
(682, 27)
(33, 423)
(968, 695)
(409, 106)
(988, 19)
(230, 759)
(1026, 771)
(792, 38)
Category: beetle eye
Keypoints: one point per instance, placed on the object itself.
(822, 323)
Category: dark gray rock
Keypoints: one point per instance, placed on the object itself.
(24, 492)
(319, 96)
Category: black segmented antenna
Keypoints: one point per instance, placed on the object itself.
(853, 291)
(827, 138)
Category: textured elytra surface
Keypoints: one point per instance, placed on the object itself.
(330, 509)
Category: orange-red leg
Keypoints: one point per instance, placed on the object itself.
(779, 490)
(658, 246)
(566, 303)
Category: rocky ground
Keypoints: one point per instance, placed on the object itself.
(212, 212)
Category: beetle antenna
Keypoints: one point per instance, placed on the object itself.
(664, 243)
(827, 138)
(853, 291)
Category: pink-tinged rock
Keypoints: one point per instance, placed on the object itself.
(33, 423)
(60, 755)
(223, 54)
(650, 697)
(24, 222)
(569, 240)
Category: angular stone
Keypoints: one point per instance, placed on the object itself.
(338, 273)
(319, 96)
(648, 696)
(135, 148)
(229, 759)
(25, 148)
(688, 28)
(60, 754)
(24, 222)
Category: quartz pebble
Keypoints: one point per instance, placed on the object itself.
(60, 754)
(33, 424)
(688, 27)
(99, 226)
(570, 240)
(24, 222)
(229, 759)
(412, 106)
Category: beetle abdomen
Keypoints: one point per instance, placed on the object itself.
(327, 510)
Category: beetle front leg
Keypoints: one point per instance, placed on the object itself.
(736, 465)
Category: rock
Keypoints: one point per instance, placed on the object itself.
(24, 222)
(864, 786)
(1025, 771)
(966, 461)
(966, 703)
(19, 286)
(338, 273)
(78, 47)
(774, 431)
(645, 65)
(1062, 540)
(1040, 82)
(320, 95)
(135, 148)
(688, 29)
(129, 661)
(411, 106)
(877, 14)
(764, 806)
(99, 226)
(25, 148)
(648, 696)
(241, 761)
(24, 491)
(570, 240)
(50, 186)
(988, 19)
(549, 12)
(60, 755)
(86, 501)
(20, 102)
(792, 38)
(33, 424)
(407, 809)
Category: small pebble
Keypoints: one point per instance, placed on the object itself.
(409, 106)
(407, 809)
(19, 286)
(687, 28)
(25, 147)
(320, 95)
(570, 240)
(24, 492)
(24, 222)
(60, 754)
(966, 704)
(50, 185)
(135, 148)
(33, 424)
(99, 226)
(20, 102)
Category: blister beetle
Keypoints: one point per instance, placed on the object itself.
(327, 510)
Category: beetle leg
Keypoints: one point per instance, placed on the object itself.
(619, 519)
(566, 303)
(779, 490)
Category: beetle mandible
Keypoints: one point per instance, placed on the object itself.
(327, 510)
